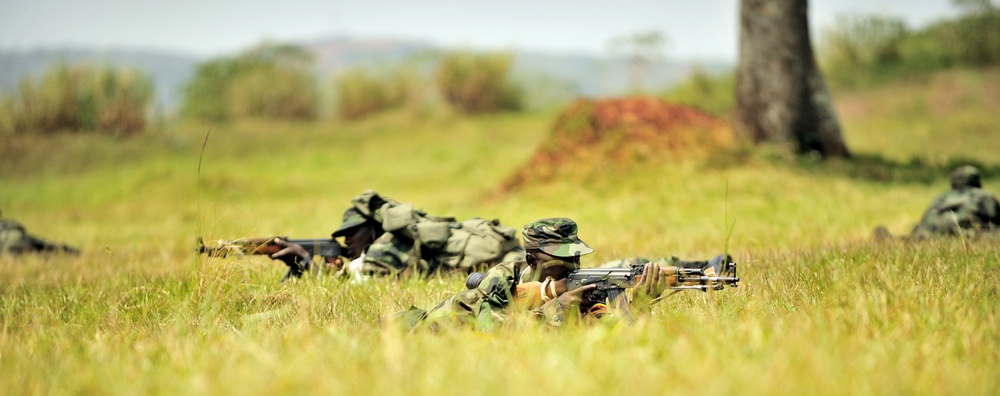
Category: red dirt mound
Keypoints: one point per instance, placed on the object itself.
(620, 131)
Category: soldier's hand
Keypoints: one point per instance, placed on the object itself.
(292, 254)
(719, 265)
(652, 285)
(572, 297)
(335, 264)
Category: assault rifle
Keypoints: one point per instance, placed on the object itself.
(611, 283)
(326, 247)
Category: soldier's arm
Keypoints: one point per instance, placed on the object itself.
(558, 310)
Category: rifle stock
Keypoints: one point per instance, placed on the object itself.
(328, 248)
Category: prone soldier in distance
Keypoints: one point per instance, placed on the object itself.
(15, 240)
(965, 209)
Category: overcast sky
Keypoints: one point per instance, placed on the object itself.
(696, 28)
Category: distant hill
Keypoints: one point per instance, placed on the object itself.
(552, 75)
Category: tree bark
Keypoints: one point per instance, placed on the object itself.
(780, 94)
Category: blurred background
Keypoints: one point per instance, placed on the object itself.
(554, 52)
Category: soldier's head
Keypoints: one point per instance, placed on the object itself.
(552, 247)
(965, 176)
(358, 232)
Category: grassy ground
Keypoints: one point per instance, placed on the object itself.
(820, 308)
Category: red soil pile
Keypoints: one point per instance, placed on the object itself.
(620, 131)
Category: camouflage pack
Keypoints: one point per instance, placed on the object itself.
(423, 243)
(965, 211)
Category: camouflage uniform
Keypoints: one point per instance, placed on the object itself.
(15, 240)
(491, 303)
(966, 209)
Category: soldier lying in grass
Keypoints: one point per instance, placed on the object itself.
(538, 285)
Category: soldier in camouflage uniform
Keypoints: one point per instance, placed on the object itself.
(15, 240)
(535, 284)
(966, 209)
(386, 237)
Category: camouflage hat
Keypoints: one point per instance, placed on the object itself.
(966, 176)
(554, 236)
(352, 218)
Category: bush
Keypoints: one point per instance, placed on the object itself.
(361, 93)
(271, 92)
(860, 46)
(79, 98)
(713, 94)
(870, 49)
(478, 82)
(271, 81)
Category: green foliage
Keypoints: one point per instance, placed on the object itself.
(272, 92)
(860, 46)
(206, 95)
(867, 49)
(79, 98)
(361, 92)
(268, 81)
(478, 82)
(714, 94)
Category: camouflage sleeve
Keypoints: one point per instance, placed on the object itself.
(483, 308)
(552, 313)
(496, 286)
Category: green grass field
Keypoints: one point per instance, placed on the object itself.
(820, 309)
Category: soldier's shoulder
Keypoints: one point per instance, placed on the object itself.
(508, 266)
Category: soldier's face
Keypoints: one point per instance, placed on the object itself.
(357, 240)
(546, 265)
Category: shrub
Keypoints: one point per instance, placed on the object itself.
(870, 49)
(80, 98)
(859, 46)
(714, 94)
(361, 92)
(478, 82)
(271, 81)
(272, 92)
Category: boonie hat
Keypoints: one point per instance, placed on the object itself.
(966, 176)
(555, 236)
(352, 218)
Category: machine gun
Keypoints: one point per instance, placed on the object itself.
(325, 247)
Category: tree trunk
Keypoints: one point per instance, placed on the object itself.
(780, 94)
